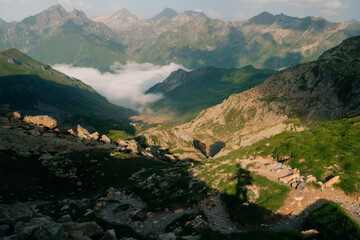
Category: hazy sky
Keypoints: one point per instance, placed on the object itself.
(334, 10)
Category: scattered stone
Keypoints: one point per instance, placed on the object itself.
(105, 139)
(310, 178)
(301, 186)
(71, 132)
(17, 115)
(195, 237)
(332, 181)
(43, 120)
(310, 233)
(76, 234)
(299, 198)
(167, 236)
(65, 219)
(289, 177)
(110, 235)
(178, 211)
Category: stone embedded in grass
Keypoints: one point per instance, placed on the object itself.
(289, 177)
(332, 181)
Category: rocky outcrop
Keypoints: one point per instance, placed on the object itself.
(84, 134)
(45, 121)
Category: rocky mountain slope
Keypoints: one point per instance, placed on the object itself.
(188, 93)
(325, 89)
(35, 88)
(189, 38)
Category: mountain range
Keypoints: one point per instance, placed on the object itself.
(189, 38)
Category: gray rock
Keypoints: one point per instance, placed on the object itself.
(196, 237)
(26, 232)
(301, 186)
(4, 230)
(105, 139)
(89, 228)
(167, 236)
(110, 235)
(65, 219)
(16, 212)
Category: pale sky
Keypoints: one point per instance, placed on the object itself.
(333, 10)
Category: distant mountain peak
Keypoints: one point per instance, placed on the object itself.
(167, 12)
(77, 13)
(124, 14)
(264, 18)
(56, 7)
(195, 14)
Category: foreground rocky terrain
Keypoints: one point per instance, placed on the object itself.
(72, 184)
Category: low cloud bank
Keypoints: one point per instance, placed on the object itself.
(126, 84)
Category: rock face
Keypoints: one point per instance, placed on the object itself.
(44, 121)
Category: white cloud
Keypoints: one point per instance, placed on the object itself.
(125, 86)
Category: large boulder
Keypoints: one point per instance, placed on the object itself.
(43, 120)
(84, 133)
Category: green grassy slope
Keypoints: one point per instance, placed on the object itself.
(25, 82)
(187, 93)
(326, 149)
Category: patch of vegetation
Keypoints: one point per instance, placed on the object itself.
(294, 121)
(116, 135)
(333, 223)
(328, 148)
